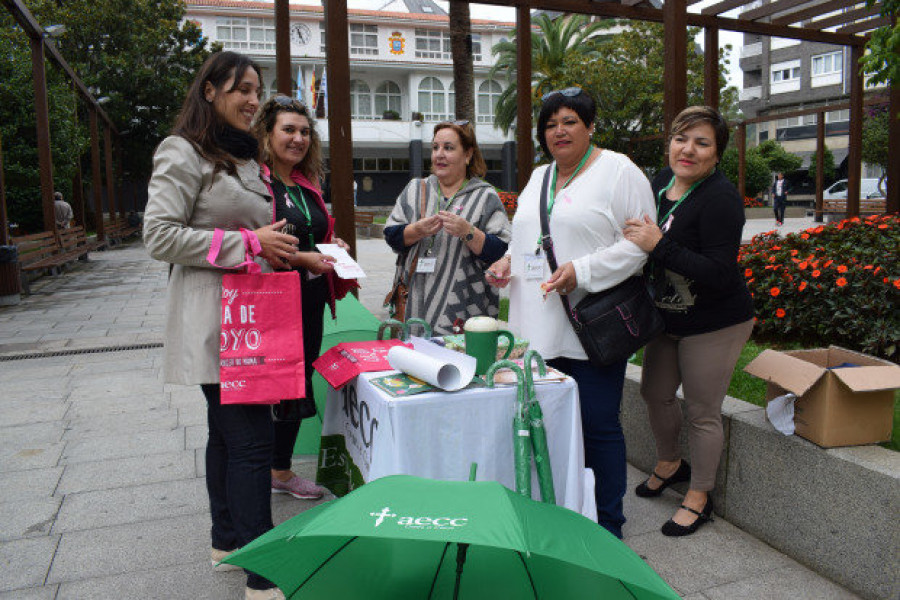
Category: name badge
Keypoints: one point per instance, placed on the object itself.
(534, 267)
(426, 264)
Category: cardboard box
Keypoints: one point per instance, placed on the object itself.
(835, 407)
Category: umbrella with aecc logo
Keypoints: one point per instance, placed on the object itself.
(404, 537)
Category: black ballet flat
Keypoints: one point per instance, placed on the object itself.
(682, 474)
(673, 529)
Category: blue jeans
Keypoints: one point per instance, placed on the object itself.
(238, 479)
(600, 391)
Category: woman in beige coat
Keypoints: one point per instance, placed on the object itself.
(205, 177)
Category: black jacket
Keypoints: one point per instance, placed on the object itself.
(698, 282)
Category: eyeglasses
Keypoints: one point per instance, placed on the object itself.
(569, 92)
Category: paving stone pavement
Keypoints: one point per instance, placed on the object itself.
(102, 493)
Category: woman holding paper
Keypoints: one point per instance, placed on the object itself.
(291, 157)
(206, 184)
(591, 192)
(462, 229)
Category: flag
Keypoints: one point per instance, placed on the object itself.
(324, 88)
(301, 86)
(312, 88)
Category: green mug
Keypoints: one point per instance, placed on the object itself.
(481, 335)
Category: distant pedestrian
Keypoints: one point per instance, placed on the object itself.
(779, 195)
(62, 211)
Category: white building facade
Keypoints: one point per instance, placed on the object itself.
(401, 80)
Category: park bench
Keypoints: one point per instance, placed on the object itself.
(73, 241)
(836, 209)
(364, 221)
(48, 251)
(117, 230)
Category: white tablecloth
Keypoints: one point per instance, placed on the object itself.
(366, 434)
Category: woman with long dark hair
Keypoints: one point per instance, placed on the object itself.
(206, 178)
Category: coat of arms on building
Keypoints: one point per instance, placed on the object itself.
(396, 43)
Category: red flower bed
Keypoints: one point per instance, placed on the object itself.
(832, 284)
(510, 201)
(753, 202)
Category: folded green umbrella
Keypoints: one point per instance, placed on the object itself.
(403, 537)
(536, 426)
(521, 432)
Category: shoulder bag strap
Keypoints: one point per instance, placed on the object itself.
(547, 245)
(424, 205)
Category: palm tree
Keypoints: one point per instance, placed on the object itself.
(557, 39)
(463, 70)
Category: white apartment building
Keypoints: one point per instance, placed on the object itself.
(401, 79)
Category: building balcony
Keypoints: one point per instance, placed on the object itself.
(750, 93)
(751, 50)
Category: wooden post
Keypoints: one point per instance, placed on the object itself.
(78, 196)
(110, 180)
(42, 119)
(525, 147)
(820, 163)
(96, 180)
(893, 172)
(340, 136)
(4, 221)
(283, 48)
(711, 67)
(854, 157)
(675, 71)
(740, 139)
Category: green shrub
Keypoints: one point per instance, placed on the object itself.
(836, 284)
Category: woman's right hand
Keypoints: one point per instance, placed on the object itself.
(277, 247)
(422, 228)
(498, 273)
(314, 262)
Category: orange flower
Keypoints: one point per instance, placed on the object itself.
(882, 226)
(775, 291)
(802, 266)
(794, 252)
(780, 313)
(819, 229)
(748, 273)
(897, 283)
(802, 286)
(841, 269)
(804, 236)
(827, 262)
(841, 282)
(776, 247)
(816, 273)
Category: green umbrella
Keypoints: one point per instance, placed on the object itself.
(521, 432)
(538, 433)
(399, 537)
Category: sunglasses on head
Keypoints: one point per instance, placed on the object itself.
(287, 102)
(569, 92)
(461, 123)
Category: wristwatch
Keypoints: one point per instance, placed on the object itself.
(470, 235)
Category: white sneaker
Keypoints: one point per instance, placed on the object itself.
(269, 594)
(217, 556)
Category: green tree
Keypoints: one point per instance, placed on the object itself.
(828, 169)
(68, 140)
(883, 59)
(626, 78)
(758, 174)
(875, 140)
(557, 39)
(778, 159)
(140, 55)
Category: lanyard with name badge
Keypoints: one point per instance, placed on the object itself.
(302, 207)
(428, 263)
(663, 222)
(552, 191)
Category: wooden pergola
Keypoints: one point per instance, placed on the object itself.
(42, 47)
(850, 26)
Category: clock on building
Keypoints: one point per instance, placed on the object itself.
(300, 34)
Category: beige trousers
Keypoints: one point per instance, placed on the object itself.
(703, 365)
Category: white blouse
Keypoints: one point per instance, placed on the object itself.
(586, 224)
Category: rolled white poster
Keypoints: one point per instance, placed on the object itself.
(429, 362)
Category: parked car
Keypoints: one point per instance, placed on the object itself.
(868, 188)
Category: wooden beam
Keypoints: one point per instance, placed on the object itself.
(893, 170)
(524, 145)
(711, 67)
(340, 135)
(720, 7)
(740, 138)
(844, 18)
(809, 12)
(820, 164)
(675, 61)
(283, 48)
(854, 143)
(42, 123)
(874, 99)
(867, 25)
(772, 8)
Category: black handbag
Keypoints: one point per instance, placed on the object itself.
(613, 324)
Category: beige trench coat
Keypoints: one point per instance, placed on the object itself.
(186, 203)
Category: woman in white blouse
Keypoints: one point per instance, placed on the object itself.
(592, 192)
